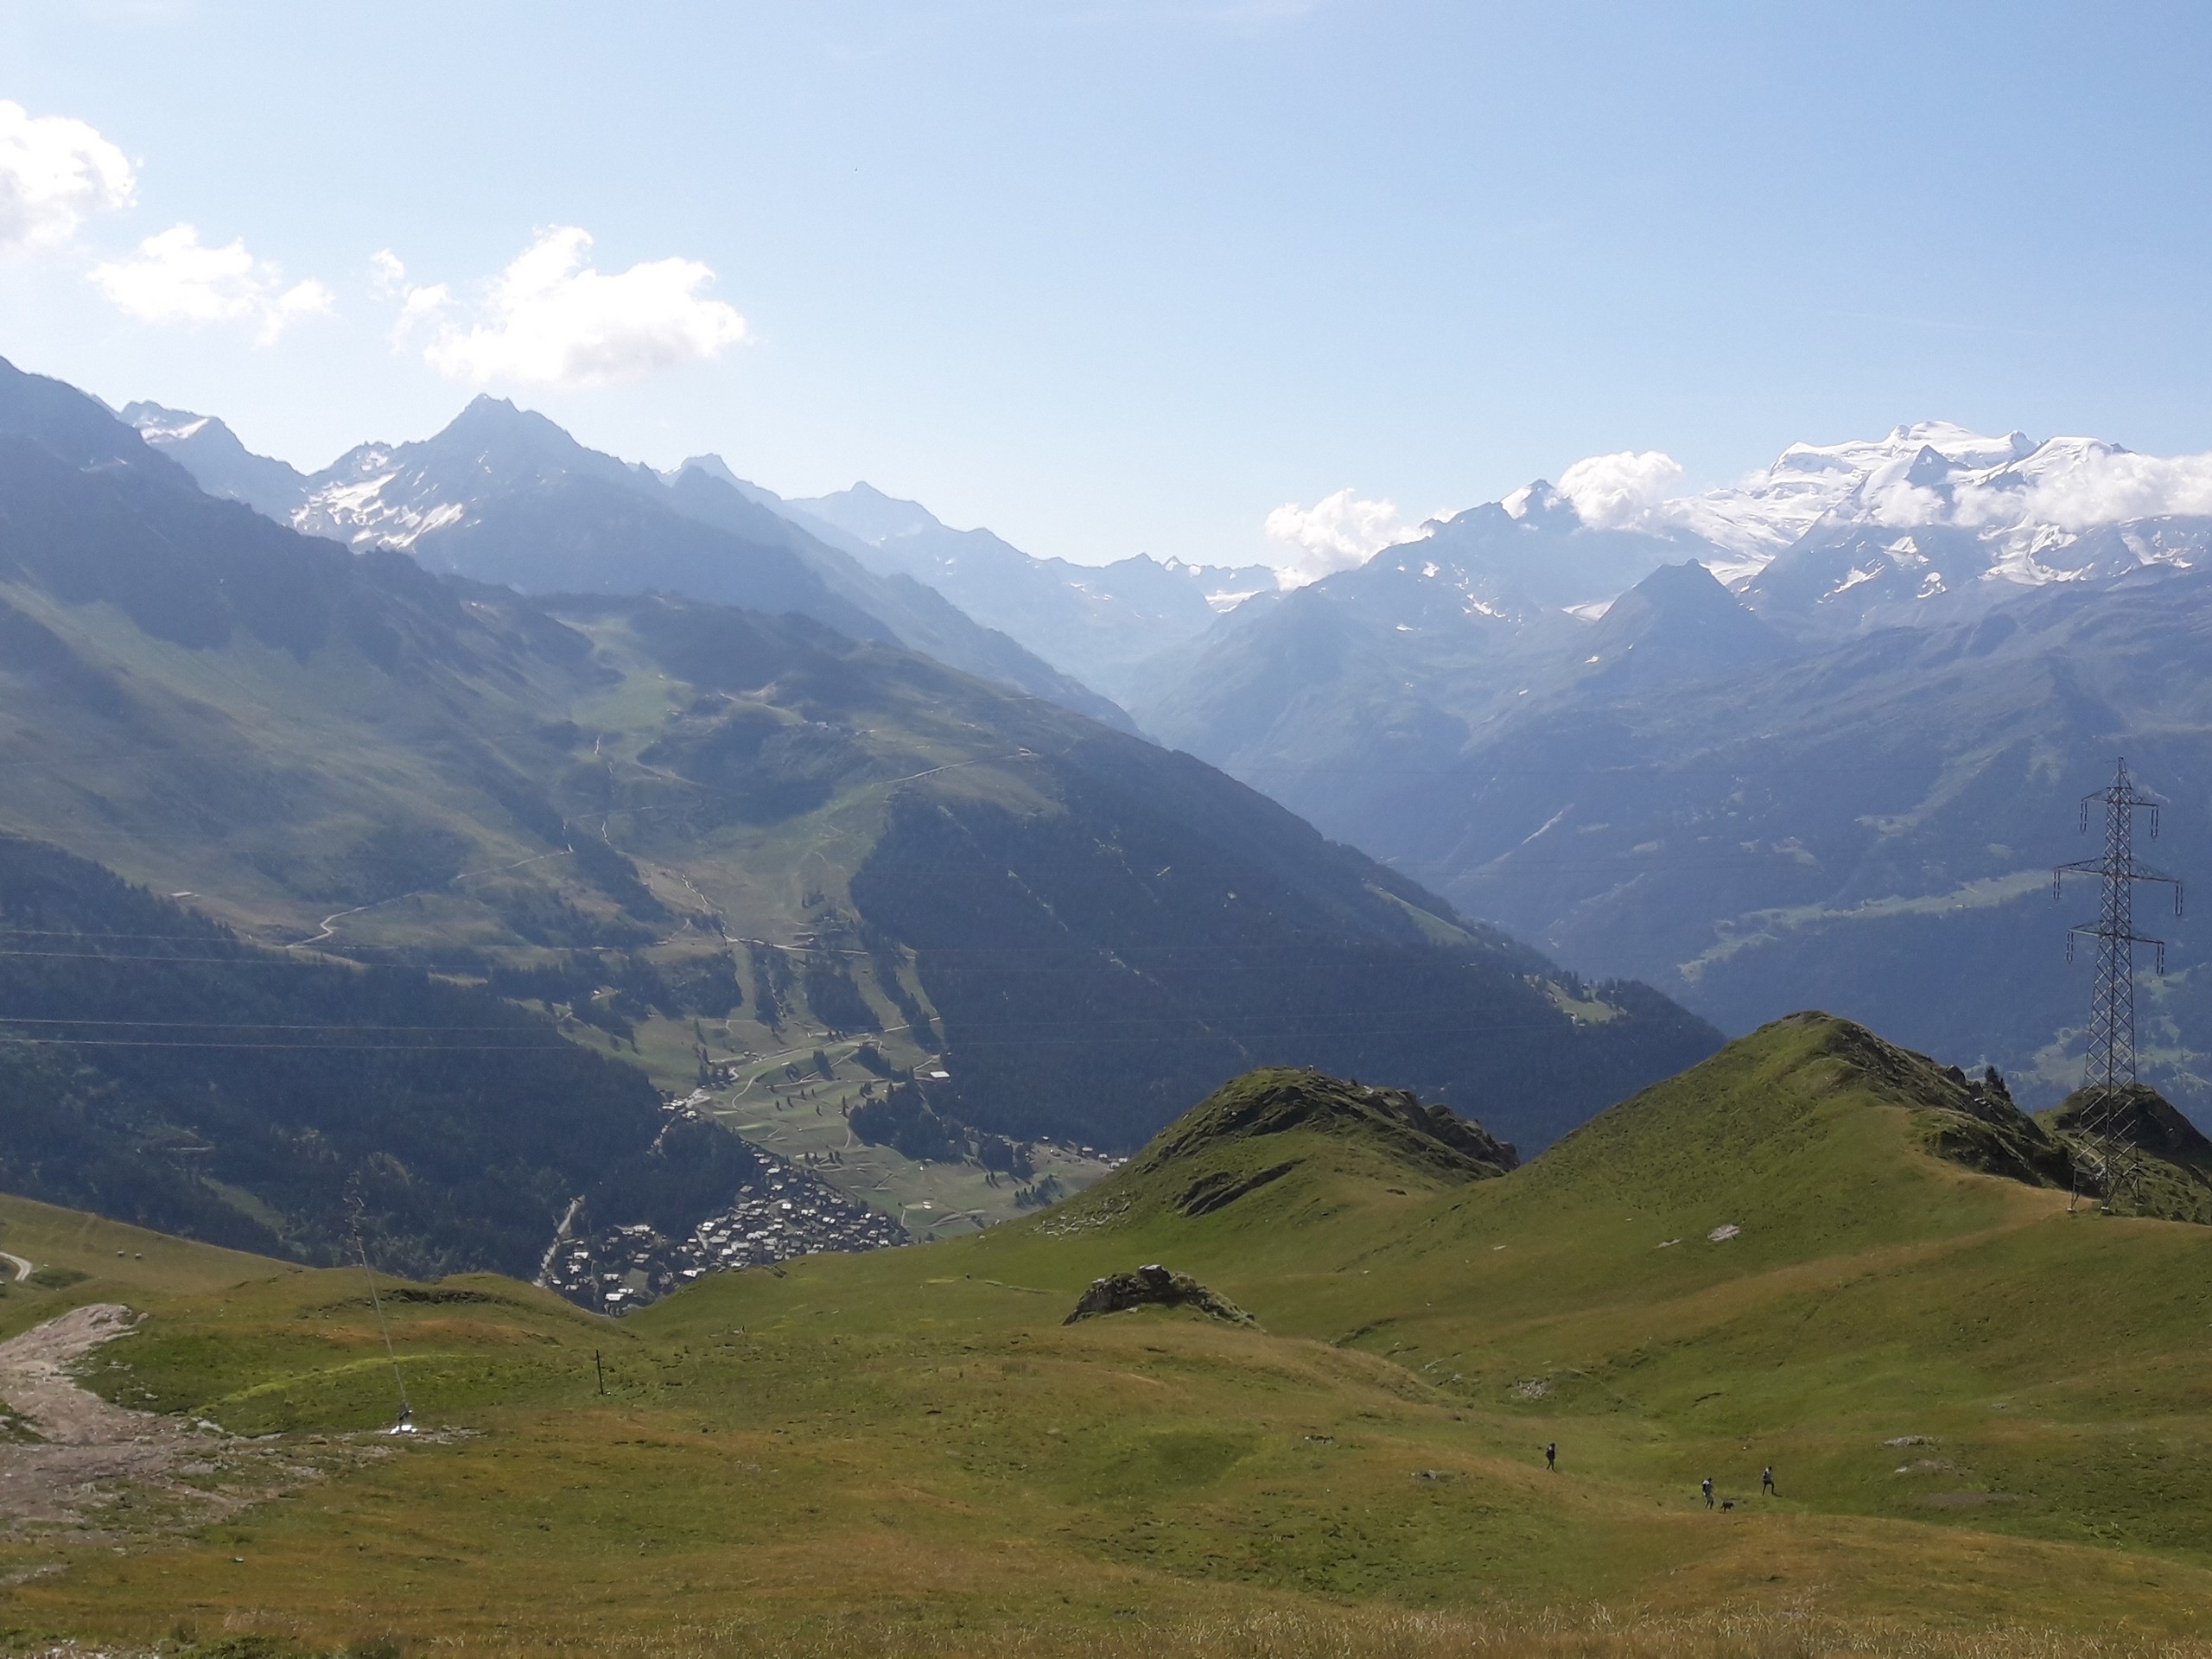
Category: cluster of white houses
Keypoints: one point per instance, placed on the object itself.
(785, 1212)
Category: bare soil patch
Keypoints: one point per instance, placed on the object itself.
(96, 1471)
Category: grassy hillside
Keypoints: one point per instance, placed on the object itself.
(76, 1258)
(1985, 1416)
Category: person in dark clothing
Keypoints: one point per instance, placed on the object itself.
(1551, 1457)
(1708, 1490)
(1766, 1481)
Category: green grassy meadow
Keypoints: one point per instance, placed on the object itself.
(1990, 1421)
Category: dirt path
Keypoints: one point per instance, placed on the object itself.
(95, 1471)
(86, 1449)
(23, 1269)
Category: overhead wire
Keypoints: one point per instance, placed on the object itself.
(236, 1024)
(7, 1038)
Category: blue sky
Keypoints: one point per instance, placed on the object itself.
(1122, 275)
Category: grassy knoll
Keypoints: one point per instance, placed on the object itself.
(1987, 1418)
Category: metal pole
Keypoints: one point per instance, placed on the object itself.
(406, 1412)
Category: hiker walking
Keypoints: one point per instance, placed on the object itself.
(1766, 1481)
(1707, 1487)
(1551, 1457)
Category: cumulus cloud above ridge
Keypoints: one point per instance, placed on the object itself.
(1335, 533)
(1611, 491)
(55, 172)
(174, 277)
(550, 319)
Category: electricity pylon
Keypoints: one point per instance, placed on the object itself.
(2110, 1063)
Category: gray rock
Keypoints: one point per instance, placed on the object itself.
(1155, 1287)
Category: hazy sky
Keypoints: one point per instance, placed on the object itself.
(1110, 276)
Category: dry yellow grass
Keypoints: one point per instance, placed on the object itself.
(1725, 1632)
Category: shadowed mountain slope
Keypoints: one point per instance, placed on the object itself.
(160, 1072)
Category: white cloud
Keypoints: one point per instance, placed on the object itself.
(1611, 491)
(1335, 533)
(174, 277)
(1900, 503)
(54, 173)
(551, 320)
(2089, 484)
(388, 281)
(387, 276)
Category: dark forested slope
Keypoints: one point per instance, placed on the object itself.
(154, 1068)
(1099, 964)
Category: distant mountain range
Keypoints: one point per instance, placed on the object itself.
(1100, 623)
(1798, 699)
(662, 818)
(506, 496)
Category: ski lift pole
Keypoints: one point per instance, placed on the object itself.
(406, 1423)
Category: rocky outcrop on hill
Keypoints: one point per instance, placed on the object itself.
(2138, 1115)
(2136, 1152)
(2143, 1158)
(1155, 1287)
(1275, 1100)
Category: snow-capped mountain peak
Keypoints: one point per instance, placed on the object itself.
(162, 427)
(1538, 505)
(1753, 521)
(1860, 458)
(212, 453)
(1930, 519)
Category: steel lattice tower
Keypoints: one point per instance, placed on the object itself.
(2111, 1061)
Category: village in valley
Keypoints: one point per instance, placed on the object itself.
(788, 1212)
(827, 1181)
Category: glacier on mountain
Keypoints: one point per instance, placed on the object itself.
(1933, 516)
(2030, 503)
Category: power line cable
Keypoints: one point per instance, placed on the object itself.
(318, 1048)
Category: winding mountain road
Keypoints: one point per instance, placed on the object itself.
(23, 1269)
